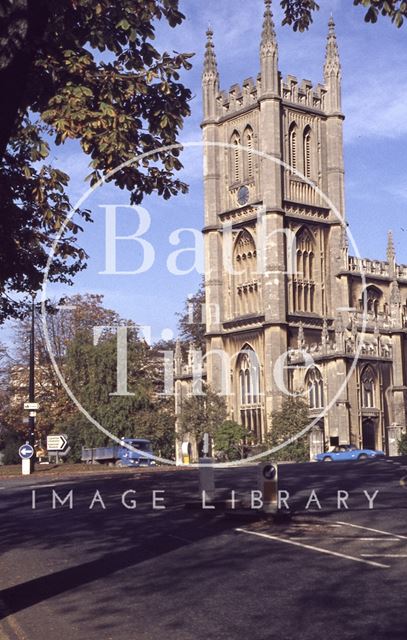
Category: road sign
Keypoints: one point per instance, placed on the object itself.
(26, 451)
(57, 442)
(31, 406)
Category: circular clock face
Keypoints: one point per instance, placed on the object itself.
(243, 195)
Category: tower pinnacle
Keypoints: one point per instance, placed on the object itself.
(332, 70)
(210, 77)
(210, 70)
(268, 34)
(269, 52)
(391, 253)
(332, 61)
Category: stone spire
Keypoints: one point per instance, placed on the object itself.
(394, 291)
(332, 61)
(210, 70)
(210, 77)
(269, 52)
(268, 35)
(391, 255)
(332, 69)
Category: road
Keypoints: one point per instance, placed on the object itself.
(185, 574)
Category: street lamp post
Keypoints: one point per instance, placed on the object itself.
(31, 383)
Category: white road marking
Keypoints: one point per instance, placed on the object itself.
(385, 533)
(358, 538)
(44, 486)
(312, 548)
(384, 555)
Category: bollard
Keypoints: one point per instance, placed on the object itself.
(206, 480)
(268, 485)
(26, 467)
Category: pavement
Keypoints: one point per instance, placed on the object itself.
(102, 566)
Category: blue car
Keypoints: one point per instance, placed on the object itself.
(346, 452)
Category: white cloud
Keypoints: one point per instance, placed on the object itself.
(377, 107)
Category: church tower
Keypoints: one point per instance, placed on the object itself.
(288, 311)
(274, 245)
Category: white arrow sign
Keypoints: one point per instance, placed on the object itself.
(26, 451)
(57, 443)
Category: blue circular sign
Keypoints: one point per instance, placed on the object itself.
(26, 451)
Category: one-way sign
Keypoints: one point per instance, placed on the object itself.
(57, 442)
(26, 451)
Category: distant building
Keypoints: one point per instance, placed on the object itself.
(317, 308)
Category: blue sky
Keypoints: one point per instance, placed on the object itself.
(374, 69)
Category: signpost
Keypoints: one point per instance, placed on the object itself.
(31, 406)
(57, 444)
(26, 452)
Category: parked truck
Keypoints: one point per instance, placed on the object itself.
(120, 455)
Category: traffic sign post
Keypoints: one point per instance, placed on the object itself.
(26, 452)
(31, 406)
(57, 443)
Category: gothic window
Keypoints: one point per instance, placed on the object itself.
(249, 377)
(315, 385)
(368, 387)
(303, 282)
(246, 278)
(293, 145)
(373, 299)
(307, 151)
(248, 142)
(235, 158)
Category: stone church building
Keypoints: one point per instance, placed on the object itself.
(283, 294)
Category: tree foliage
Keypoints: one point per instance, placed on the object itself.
(402, 444)
(229, 440)
(202, 413)
(87, 70)
(91, 375)
(191, 321)
(286, 423)
(90, 372)
(298, 13)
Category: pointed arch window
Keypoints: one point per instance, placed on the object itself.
(373, 300)
(249, 379)
(248, 142)
(245, 280)
(307, 151)
(315, 386)
(235, 157)
(368, 379)
(293, 145)
(303, 282)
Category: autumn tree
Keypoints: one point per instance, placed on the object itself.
(84, 70)
(88, 365)
(298, 13)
